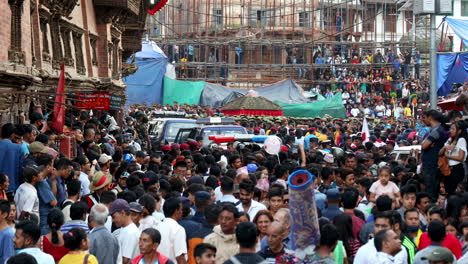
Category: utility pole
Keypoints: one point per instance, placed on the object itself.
(433, 63)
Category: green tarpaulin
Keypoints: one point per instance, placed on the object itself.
(182, 92)
(332, 107)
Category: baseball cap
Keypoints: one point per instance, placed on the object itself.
(195, 179)
(185, 202)
(333, 194)
(118, 206)
(104, 158)
(37, 147)
(329, 158)
(136, 207)
(439, 254)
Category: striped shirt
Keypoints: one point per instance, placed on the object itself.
(74, 223)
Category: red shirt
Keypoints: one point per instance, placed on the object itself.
(449, 242)
(357, 225)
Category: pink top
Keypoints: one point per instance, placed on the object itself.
(379, 189)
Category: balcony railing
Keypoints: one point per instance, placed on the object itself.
(132, 6)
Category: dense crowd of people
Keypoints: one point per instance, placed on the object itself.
(121, 200)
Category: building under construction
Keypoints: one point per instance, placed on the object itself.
(254, 42)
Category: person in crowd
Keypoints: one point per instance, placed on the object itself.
(436, 232)
(384, 186)
(73, 196)
(205, 254)
(22, 258)
(11, 157)
(62, 171)
(128, 233)
(368, 252)
(77, 241)
(388, 244)
(26, 199)
(431, 147)
(26, 237)
(4, 184)
(455, 151)
(326, 246)
(248, 204)
(275, 248)
(246, 237)
(53, 243)
(102, 244)
(223, 236)
(6, 232)
(344, 225)
(150, 239)
(412, 223)
(78, 214)
(87, 168)
(262, 220)
(333, 204)
(227, 189)
(275, 199)
(171, 231)
(406, 242)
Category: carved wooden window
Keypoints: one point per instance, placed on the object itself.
(93, 43)
(45, 38)
(77, 40)
(68, 58)
(56, 44)
(15, 53)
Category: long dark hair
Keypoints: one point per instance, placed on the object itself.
(460, 125)
(344, 225)
(55, 220)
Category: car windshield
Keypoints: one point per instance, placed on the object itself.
(173, 128)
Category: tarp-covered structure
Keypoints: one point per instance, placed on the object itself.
(453, 67)
(332, 107)
(215, 95)
(252, 105)
(146, 84)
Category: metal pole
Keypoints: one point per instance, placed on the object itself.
(433, 63)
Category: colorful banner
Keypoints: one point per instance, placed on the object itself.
(93, 101)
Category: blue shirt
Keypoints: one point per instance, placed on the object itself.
(11, 162)
(331, 211)
(46, 196)
(61, 190)
(7, 247)
(320, 60)
(41, 257)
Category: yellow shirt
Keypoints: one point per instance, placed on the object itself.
(78, 258)
(407, 111)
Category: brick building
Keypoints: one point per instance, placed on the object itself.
(91, 37)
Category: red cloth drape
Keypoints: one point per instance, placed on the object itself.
(253, 112)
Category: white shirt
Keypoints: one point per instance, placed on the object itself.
(128, 238)
(253, 210)
(380, 110)
(173, 242)
(461, 145)
(384, 258)
(355, 112)
(229, 198)
(218, 193)
(148, 222)
(26, 199)
(367, 254)
(84, 179)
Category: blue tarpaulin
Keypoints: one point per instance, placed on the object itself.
(460, 27)
(146, 84)
(451, 68)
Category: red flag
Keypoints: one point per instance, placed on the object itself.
(157, 6)
(365, 134)
(59, 106)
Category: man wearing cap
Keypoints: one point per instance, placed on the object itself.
(433, 254)
(136, 213)
(35, 150)
(202, 200)
(37, 121)
(129, 234)
(104, 162)
(333, 204)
